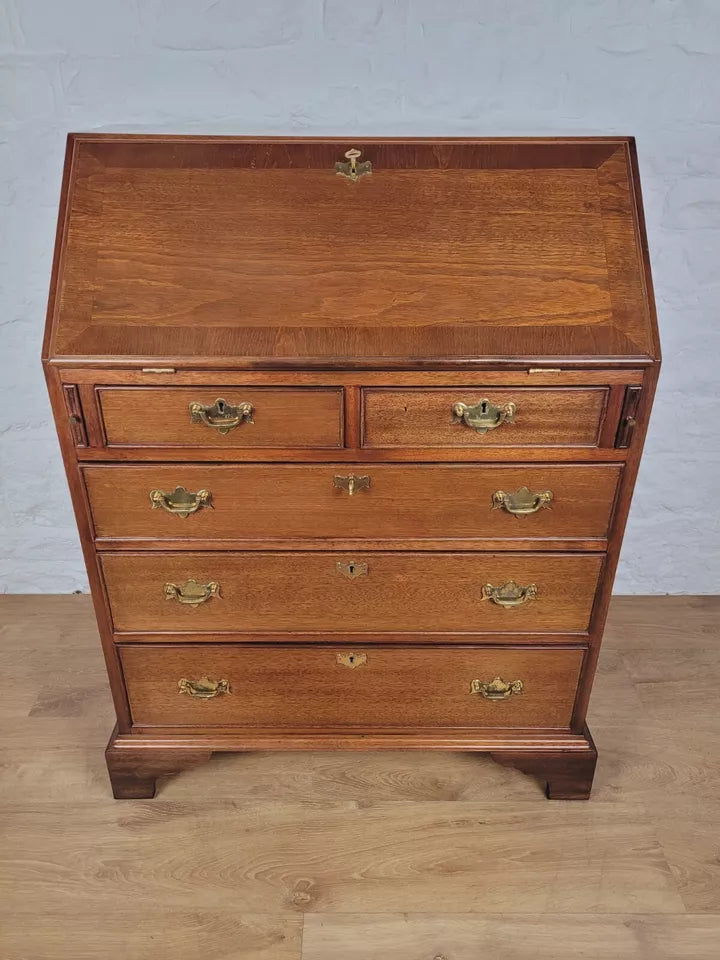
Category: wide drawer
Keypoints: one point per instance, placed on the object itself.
(368, 687)
(484, 417)
(350, 501)
(363, 592)
(222, 417)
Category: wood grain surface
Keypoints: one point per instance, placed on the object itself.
(449, 250)
(424, 418)
(403, 502)
(300, 591)
(281, 417)
(293, 687)
(364, 855)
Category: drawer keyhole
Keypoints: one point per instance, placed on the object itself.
(351, 660)
(352, 569)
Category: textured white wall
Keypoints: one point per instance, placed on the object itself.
(489, 67)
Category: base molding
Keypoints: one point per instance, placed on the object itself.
(565, 761)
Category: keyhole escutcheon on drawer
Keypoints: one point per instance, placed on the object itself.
(352, 569)
(352, 660)
(351, 483)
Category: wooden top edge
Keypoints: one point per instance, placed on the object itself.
(89, 137)
(354, 363)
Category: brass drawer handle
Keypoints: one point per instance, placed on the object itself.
(204, 688)
(191, 592)
(496, 689)
(181, 502)
(351, 483)
(522, 502)
(510, 594)
(484, 415)
(221, 415)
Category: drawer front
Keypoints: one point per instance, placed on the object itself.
(512, 417)
(388, 502)
(363, 592)
(370, 687)
(246, 416)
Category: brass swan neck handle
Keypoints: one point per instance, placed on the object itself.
(496, 689)
(485, 415)
(221, 415)
(191, 593)
(509, 594)
(204, 688)
(522, 502)
(180, 502)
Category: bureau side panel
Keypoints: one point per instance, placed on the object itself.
(81, 508)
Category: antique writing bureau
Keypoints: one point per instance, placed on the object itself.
(351, 430)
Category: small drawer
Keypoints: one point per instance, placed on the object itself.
(351, 501)
(222, 417)
(368, 591)
(291, 687)
(484, 417)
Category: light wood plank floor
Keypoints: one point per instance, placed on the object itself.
(364, 856)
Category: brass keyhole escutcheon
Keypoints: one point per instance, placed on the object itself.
(352, 569)
(351, 482)
(353, 169)
(352, 660)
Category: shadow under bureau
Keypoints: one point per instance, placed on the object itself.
(351, 430)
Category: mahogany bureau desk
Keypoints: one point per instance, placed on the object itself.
(351, 429)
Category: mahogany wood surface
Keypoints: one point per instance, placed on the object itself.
(399, 591)
(288, 687)
(413, 502)
(465, 249)
(423, 418)
(281, 417)
(352, 316)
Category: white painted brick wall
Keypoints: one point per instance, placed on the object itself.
(490, 67)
